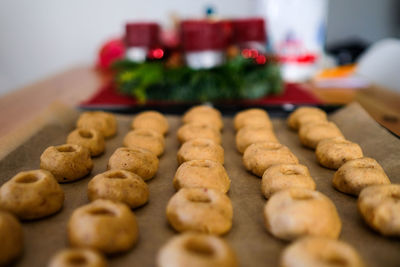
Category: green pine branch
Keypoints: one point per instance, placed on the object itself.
(238, 78)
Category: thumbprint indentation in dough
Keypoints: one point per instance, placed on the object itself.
(27, 179)
(77, 260)
(100, 211)
(199, 247)
(65, 149)
(116, 175)
(85, 134)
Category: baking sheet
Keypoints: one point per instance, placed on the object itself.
(254, 246)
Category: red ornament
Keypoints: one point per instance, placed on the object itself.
(250, 53)
(110, 52)
(261, 59)
(246, 53)
(157, 53)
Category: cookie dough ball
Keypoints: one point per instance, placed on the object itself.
(315, 251)
(137, 160)
(357, 174)
(119, 185)
(89, 138)
(304, 115)
(78, 257)
(205, 115)
(253, 134)
(202, 173)
(147, 139)
(200, 210)
(152, 120)
(283, 176)
(194, 130)
(260, 156)
(200, 148)
(67, 162)
(254, 117)
(32, 195)
(297, 212)
(107, 226)
(334, 152)
(379, 205)
(196, 250)
(11, 237)
(311, 134)
(104, 122)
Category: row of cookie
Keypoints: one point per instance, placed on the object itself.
(200, 209)
(133, 164)
(201, 178)
(317, 245)
(107, 225)
(284, 180)
(333, 151)
(72, 161)
(265, 157)
(294, 209)
(36, 194)
(356, 174)
(136, 162)
(201, 156)
(200, 135)
(255, 138)
(97, 226)
(310, 219)
(148, 132)
(142, 145)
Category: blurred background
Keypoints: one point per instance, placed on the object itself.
(40, 38)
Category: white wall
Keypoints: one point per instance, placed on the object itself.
(41, 37)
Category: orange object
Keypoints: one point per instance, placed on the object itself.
(337, 72)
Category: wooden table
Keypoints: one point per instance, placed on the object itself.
(77, 84)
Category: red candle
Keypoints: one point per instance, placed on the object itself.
(142, 39)
(204, 43)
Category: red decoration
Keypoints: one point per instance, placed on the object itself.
(110, 52)
(249, 30)
(250, 53)
(202, 35)
(157, 53)
(142, 34)
(261, 59)
(307, 58)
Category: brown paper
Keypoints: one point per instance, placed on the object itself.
(254, 246)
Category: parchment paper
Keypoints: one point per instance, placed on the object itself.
(254, 246)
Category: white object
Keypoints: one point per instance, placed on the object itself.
(380, 64)
(296, 33)
(204, 59)
(137, 54)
